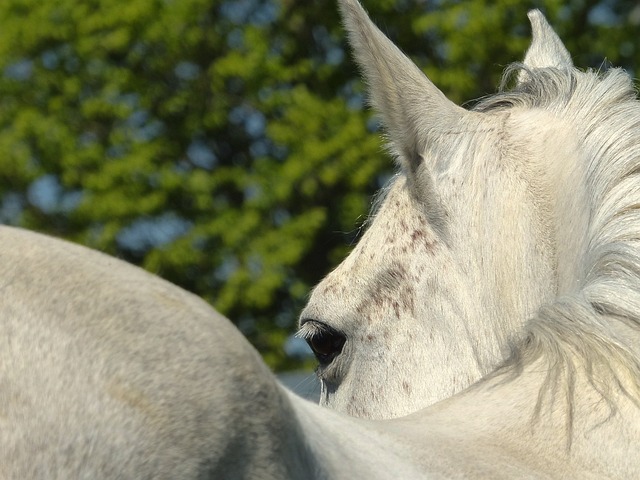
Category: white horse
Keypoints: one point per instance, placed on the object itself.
(497, 215)
(109, 372)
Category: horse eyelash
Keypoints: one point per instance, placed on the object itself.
(310, 329)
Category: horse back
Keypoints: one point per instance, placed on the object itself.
(108, 371)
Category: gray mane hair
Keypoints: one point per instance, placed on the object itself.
(542, 88)
(593, 328)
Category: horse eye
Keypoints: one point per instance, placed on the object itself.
(326, 343)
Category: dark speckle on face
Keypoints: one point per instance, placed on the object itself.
(406, 387)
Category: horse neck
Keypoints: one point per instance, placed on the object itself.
(539, 421)
(337, 446)
(529, 424)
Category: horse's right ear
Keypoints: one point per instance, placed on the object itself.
(546, 50)
(414, 112)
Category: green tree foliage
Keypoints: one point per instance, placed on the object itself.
(224, 144)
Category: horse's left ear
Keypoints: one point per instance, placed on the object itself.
(546, 50)
(414, 112)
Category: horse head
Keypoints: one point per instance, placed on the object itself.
(461, 249)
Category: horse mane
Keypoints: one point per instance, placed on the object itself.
(596, 327)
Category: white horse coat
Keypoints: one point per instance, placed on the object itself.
(109, 372)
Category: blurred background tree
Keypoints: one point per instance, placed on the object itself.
(224, 145)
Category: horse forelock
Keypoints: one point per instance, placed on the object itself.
(594, 329)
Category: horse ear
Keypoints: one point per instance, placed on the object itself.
(413, 110)
(546, 50)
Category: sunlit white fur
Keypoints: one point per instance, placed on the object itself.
(447, 255)
(499, 278)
